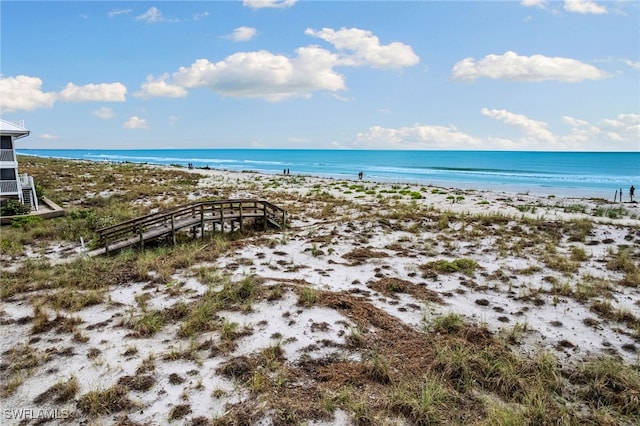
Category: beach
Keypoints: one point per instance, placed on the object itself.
(566, 174)
(505, 305)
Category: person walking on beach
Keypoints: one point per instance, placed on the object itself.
(632, 191)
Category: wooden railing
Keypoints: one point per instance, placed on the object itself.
(195, 215)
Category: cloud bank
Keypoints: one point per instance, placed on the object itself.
(275, 77)
(265, 4)
(25, 93)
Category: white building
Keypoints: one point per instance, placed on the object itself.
(12, 184)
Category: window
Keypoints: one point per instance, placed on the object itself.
(7, 174)
(5, 143)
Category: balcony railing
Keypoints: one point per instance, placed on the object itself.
(15, 187)
(9, 187)
(26, 181)
(7, 155)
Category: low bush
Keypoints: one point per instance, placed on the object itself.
(10, 207)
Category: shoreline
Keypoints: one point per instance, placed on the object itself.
(545, 206)
(549, 192)
(463, 182)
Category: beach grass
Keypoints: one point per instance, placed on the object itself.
(386, 304)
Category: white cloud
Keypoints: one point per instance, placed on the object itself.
(511, 66)
(200, 15)
(313, 70)
(534, 3)
(48, 136)
(584, 7)
(23, 93)
(623, 131)
(417, 136)
(244, 74)
(264, 74)
(341, 98)
(632, 64)
(135, 122)
(173, 119)
(117, 12)
(366, 48)
(160, 87)
(624, 121)
(103, 92)
(537, 131)
(274, 77)
(152, 16)
(242, 34)
(194, 75)
(261, 4)
(625, 127)
(581, 131)
(104, 113)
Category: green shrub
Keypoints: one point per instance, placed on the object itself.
(464, 265)
(10, 207)
(25, 221)
(39, 191)
(447, 323)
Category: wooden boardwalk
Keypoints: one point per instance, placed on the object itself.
(221, 214)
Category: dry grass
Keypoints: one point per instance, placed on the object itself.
(106, 401)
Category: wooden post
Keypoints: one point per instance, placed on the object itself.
(213, 220)
(241, 223)
(620, 194)
(202, 220)
(173, 230)
(615, 197)
(141, 236)
(264, 216)
(222, 218)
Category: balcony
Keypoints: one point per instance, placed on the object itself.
(7, 155)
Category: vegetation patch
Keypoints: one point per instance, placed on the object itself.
(59, 393)
(390, 286)
(360, 255)
(106, 401)
(465, 265)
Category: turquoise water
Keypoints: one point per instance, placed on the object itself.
(593, 174)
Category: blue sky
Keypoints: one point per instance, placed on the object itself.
(514, 75)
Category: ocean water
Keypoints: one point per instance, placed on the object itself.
(583, 174)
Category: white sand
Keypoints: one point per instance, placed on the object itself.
(293, 255)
